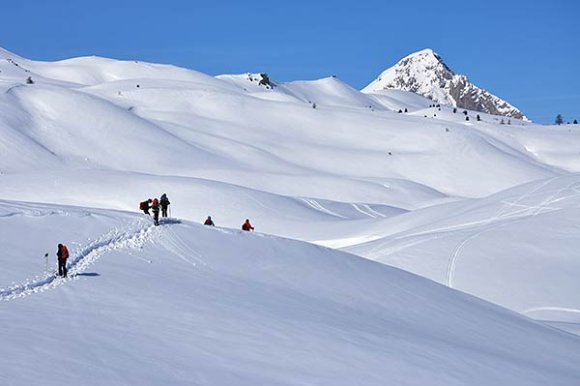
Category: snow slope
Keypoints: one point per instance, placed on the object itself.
(188, 304)
(518, 248)
(210, 130)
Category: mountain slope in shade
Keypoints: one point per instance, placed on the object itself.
(425, 73)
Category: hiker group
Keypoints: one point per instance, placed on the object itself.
(163, 203)
(155, 204)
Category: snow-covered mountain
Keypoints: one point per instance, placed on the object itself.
(480, 207)
(426, 74)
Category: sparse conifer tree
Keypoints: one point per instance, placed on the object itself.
(559, 119)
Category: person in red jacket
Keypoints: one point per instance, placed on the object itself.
(155, 209)
(62, 256)
(209, 221)
(247, 226)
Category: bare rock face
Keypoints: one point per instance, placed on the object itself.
(426, 74)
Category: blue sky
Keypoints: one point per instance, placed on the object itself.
(527, 52)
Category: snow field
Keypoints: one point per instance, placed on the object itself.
(253, 309)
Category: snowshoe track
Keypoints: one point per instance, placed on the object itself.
(134, 236)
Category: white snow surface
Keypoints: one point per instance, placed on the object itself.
(485, 208)
(185, 304)
(517, 248)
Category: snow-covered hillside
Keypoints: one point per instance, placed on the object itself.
(426, 74)
(188, 304)
(480, 206)
(518, 248)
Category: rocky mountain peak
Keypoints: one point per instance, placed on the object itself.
(425, 73)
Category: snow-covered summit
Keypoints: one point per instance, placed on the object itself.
(425, 73)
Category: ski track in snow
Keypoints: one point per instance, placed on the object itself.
(134, 236)
(558, 309)
(319, 207)
(177, 246)
(501, 214)
(519, 215)
(369, 211)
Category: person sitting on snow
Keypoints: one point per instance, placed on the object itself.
(209, 221)
(247, 226)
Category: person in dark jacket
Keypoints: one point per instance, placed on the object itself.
(62, 256)
(247, 226)
(145, 205)
(164, 202)
(209, 221)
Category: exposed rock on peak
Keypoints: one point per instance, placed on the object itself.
(425, 73)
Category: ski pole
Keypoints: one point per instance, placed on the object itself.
(46, 262)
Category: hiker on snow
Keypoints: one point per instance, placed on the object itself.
(155, 209)
(209, 221)
(164, 201)
(247, 226)
(144, 206)
(62, 255)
